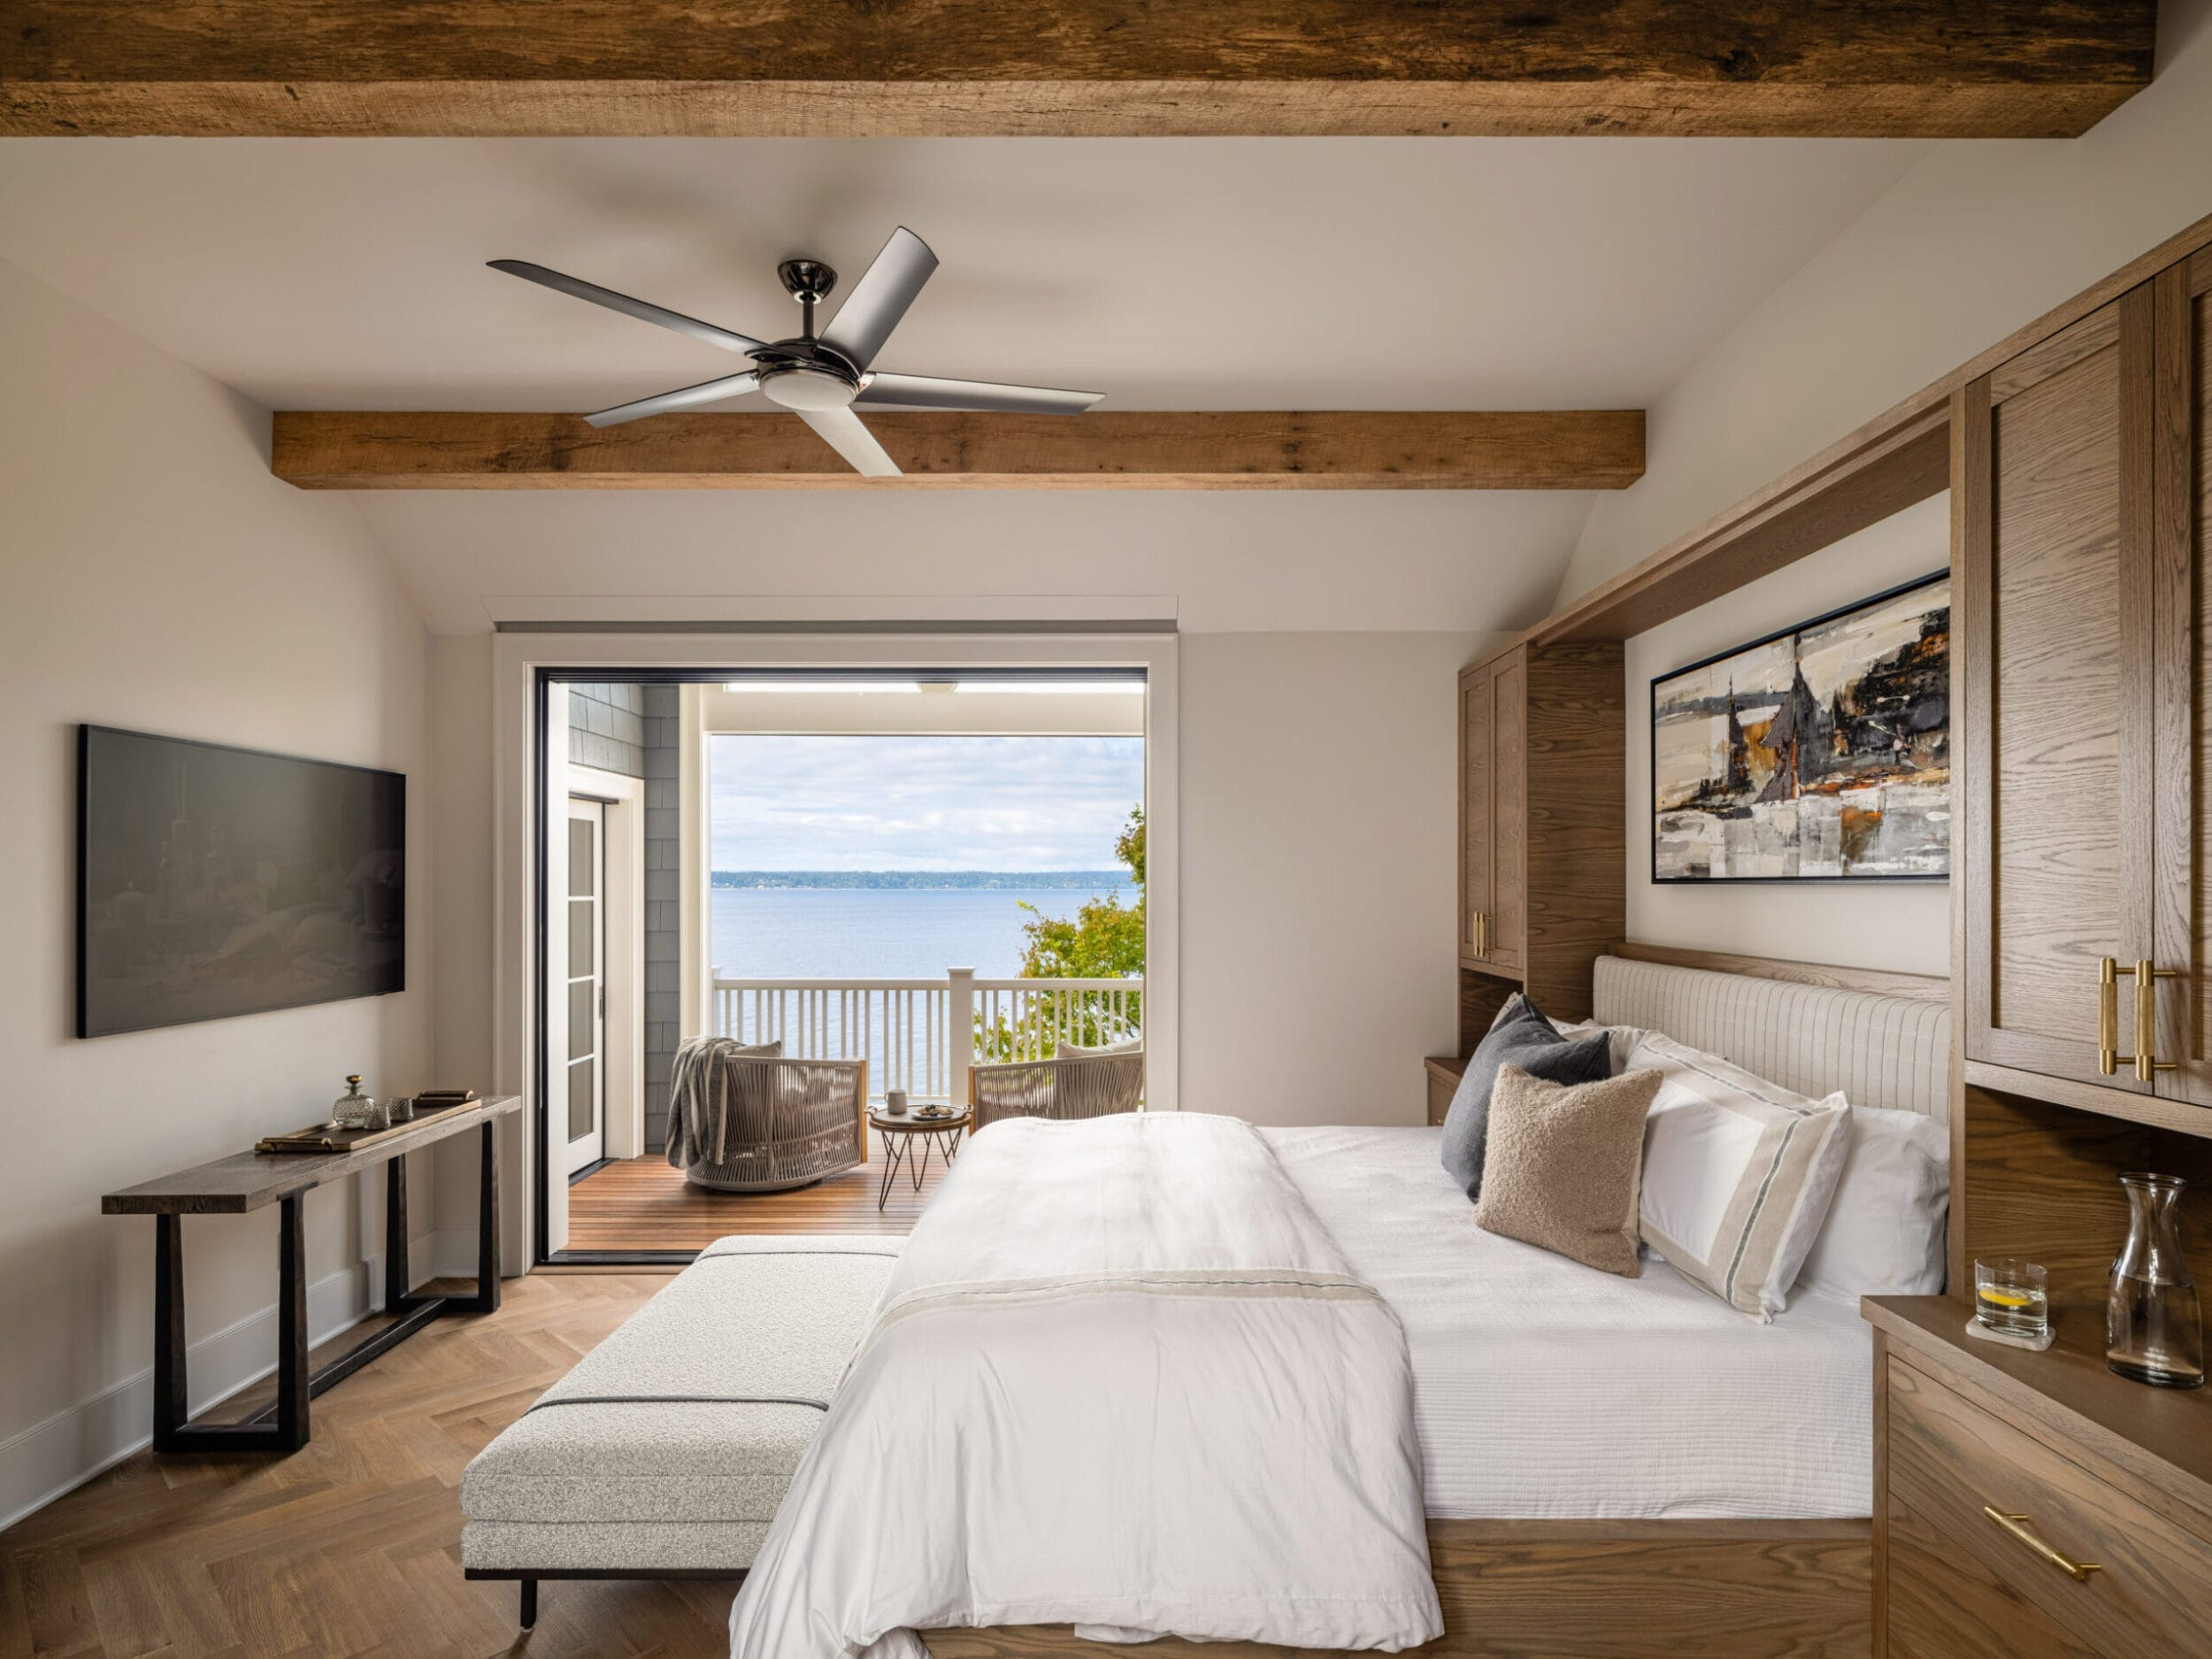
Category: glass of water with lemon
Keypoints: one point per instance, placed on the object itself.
(2012, 1297)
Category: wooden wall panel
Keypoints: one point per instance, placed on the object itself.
(2042, 1181)
(1577, 819)
(1506, 938)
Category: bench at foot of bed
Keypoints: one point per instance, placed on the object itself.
(664, 1453)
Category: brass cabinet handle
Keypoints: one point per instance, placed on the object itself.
(2146, 1066)
(2147, 1063)
(2016, 1524)
(1477, 932)
(2108, 1016)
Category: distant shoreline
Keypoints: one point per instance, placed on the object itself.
(924, 880)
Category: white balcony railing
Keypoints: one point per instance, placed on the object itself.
(922, 1035)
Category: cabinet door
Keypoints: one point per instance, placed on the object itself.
(2052, 463)
(1475, 723)
(1506, 934)
(2182, 462)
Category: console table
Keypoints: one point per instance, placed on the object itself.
(251, 1180)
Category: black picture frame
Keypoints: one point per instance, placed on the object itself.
(1651, 769)
(95, 1012)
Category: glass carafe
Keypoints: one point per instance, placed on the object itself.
(2153, 1333)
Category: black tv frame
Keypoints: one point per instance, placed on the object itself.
(86, 731)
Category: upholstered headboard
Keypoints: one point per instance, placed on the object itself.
(1888, 1052)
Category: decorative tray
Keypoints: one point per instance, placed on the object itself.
(327, 1137)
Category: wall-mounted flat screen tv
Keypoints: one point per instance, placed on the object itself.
(214, 881)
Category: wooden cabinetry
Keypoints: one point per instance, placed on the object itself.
(1493, 810)
(2078, 529)
(1542, 879)
(2032, 1503)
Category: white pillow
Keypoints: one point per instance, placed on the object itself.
(1883, 1235)
(1624, 1039)
(1739, 1173)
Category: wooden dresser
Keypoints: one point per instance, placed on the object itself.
(2001, 1477)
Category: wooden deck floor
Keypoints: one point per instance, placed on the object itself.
(642, 1205)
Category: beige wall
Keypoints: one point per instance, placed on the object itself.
(1320, 813)
(155, 576)
(1902, 925)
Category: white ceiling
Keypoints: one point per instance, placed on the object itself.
(1172, 274)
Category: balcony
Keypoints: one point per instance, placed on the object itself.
(922, 1035)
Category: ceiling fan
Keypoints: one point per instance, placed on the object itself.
(821, 378)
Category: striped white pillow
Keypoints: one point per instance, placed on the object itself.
(1738, 1176)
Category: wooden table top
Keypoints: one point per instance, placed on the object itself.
(910, 1123)
(249, 1181)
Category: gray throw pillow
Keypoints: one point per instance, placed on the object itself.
(1520, 1036)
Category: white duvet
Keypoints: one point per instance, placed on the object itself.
(1122, 1379)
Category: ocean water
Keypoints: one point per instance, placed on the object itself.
(878, 932)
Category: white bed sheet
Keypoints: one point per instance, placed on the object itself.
(1546, 1390)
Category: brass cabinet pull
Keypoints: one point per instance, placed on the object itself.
(2108, 1016)
(2147, 1063)
(2016, 1524)
(1474, 933)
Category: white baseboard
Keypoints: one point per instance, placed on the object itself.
(39, 1463)
(451, 1251)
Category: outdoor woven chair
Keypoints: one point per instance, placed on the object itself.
(747, 1120)
(1090, 1086)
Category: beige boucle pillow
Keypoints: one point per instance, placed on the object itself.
(1562, 1165)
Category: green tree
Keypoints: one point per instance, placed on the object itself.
(1104, 940)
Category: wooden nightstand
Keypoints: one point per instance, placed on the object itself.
(2033, 1506)
(1444, 1071)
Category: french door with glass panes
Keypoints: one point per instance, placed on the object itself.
(581, 1099)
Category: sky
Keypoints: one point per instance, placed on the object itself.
(922, 803)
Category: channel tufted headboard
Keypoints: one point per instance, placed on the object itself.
(1886, 1051)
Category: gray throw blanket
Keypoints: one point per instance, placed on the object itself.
(702, 1090)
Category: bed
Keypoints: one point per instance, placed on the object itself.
(1609, 1467)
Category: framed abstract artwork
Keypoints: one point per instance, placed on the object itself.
(1822, 753)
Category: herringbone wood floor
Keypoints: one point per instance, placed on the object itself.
(352, 1546)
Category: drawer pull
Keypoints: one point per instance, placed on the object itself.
(2016, 1524)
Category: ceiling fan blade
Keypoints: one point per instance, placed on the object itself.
(841, 430)
(638, 309)
(925, 391)
(686, 397)
(886, 289)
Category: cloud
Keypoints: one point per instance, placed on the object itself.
(922, 803)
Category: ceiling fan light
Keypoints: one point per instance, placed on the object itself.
(806, 388)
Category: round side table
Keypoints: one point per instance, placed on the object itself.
(900, 1136)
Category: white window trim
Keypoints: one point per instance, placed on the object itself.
(517, 658)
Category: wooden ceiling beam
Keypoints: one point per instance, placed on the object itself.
(901, 68)
(1226, 449)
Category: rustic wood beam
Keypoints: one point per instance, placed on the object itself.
(769, 68)
(1238, 449)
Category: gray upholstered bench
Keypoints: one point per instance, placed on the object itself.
(664, 1453)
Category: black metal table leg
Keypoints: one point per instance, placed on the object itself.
(282, 1424)
(487, 1223)
(293, 1387)
(398, 1276)
(529, 1604)
(893, 1151)
(170, 1409)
